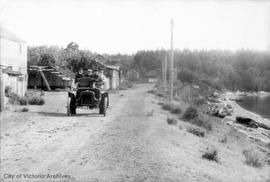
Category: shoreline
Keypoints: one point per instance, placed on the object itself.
(258, 134)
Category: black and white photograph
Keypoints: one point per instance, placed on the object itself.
(135, 90)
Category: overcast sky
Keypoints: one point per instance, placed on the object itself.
(118, 26)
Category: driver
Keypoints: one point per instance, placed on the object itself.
(79, 75)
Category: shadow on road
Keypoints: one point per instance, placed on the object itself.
(58, 114)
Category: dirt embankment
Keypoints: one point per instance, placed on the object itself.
(133, 143)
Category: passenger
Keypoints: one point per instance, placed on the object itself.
(102, 78)
(88, 73)
(79, 75)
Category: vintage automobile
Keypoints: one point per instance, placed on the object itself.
(87, 96)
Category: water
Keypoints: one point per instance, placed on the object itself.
(259, 104)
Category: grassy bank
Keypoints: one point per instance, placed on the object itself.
(221, 142)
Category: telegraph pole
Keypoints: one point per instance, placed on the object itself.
(171, 65)
(165, 72)
(2, 92)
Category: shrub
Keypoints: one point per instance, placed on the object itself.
(166, 106)
(211, 155)
(174, 109)
(151, 91)
(36, 100)
(25, 109)
(172, 121)
(253, 159)
(14, 98)
(190, 113)
(8, 91)
(196, 131)
(160, 103)
(23, 101)
(201, 122)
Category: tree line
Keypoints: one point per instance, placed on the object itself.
(243, 70)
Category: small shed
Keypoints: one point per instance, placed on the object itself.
(114, 75)
(152, 76)
(55, 78)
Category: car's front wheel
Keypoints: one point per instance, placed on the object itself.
(103, 106)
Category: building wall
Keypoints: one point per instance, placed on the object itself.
(114, 80)
(14, 54)
(17, 83)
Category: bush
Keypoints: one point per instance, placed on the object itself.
(166, 106)
(253, 159)
(196, 131)
(14, 98)
(25, 109)
(151, 91)
(160, 103)
(172, 121)
(8, 91)
(23, 101)
(190, 113)
(36, 100)
(201, 122)
(174, 109)
(211, 155)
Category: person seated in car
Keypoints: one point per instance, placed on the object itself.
(80, 74)
(88, 73)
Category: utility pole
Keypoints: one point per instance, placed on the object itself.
(165, 72)
(2, 92)
(171, 65)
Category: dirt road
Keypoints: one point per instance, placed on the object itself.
(133, 143)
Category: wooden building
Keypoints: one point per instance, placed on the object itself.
(13, 64)
(48, 78)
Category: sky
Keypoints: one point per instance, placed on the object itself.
(118, 26)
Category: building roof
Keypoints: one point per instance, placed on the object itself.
(9, 71)
(7, 34)
(117, 68)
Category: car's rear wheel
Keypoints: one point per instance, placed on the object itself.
(68, 106)
(71, 108)
(104, 106)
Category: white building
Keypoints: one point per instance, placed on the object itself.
(13, 63)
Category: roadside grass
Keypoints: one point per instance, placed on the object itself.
(172, 121)
(253, 159)
(150, 114)
(158, 93)
(192, 116)
(196, 131)
(211, 155)
(223, 140)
